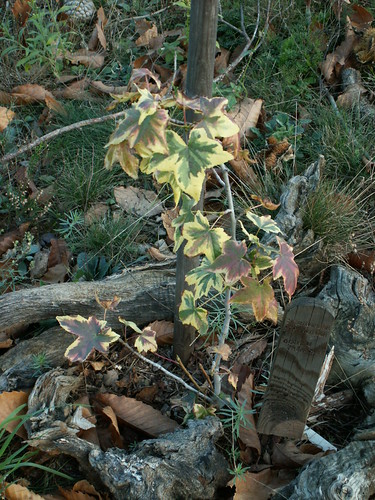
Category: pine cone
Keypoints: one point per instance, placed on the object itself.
(80, 10)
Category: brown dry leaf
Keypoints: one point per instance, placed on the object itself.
(224, 350)
(18, 492)
(97, 365)
(21, 10)
(362, 261)
(161, 255)
(248, 434)
(365, 47)
(7, 240)
(59, 253)
(260, 485)
(244, 170)
(9, 401)
(139, 415)
(31, 92)
(5, 341)
(164, 331)
(251, 351)
(164, 73)
(6, 116)
(115, 435)
(96, 213)
(150, 38)
(335, 61)
(56, 274)
(238, 375)
(287, 455)
(265, 202)
(168, 217)
(351, 96)
(140, 202)
(246, 114)
(90, 435)
(221, 61)
(147, 394)
(108, 89)
(360, 18)
(76, 90)
(82, 490)
(5, 98)
(87, 58)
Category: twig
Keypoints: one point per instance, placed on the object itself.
(59, 131)
(183, 368)
(164, 370)
(247, 45)
(146, 15)
(206, 376)
(225, 329)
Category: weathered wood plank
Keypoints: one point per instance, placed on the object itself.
(299, 357)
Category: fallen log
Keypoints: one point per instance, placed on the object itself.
(349, 473)
(147, 294)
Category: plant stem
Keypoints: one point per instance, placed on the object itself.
(225, 329)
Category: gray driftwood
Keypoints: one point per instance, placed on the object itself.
(351, 296)
(349, 474)
(17, 367)
(147, 294)
(184, 464)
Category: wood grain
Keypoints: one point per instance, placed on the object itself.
(298, 361)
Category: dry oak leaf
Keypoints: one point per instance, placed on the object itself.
(7, 240)
(360, 18)
(141, 202)
(18, 492)
(246, 114)
(164, 331)
(260, 485)
(6, 116)
(10, 401)
(82, 490)
(248, 433)
(335, 61)
(76, 91)
(87, 58)
(59, 253)
(138, 415)
(31, 92)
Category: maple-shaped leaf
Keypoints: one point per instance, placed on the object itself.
(231, 261)
(204, 279)
(139, 73)
(192, 315)
(92, 334)
(122, 154)
(184, 101)
(201, 238)
(146, 104)
(259, 261)
(286, 267)
(144, 132)
(259, 295)
(263, 222)
(130, 324)
(215, 122)
(146, 341)
(185, 215)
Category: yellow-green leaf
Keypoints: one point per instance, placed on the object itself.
(122, 154)
(202, 239)
(192, 315)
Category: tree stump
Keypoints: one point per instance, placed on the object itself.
(295, 372)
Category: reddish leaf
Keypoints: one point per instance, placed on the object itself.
(108, 305)
(59, 253)
(21, 10)
(360, 18)
(7, 240)
(231, 261)
(265, 202)
(92, 334)
(286, 267)
(260, 296)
